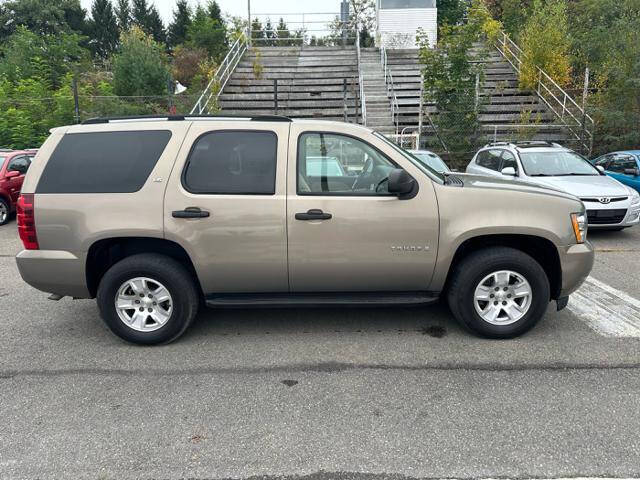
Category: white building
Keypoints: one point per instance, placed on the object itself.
(399, 20)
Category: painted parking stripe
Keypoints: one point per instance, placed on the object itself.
(606, 310)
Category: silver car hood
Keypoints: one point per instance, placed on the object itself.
(508, 183)
(591, 186)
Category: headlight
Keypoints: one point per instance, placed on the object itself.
(579, 222)
(635, 197)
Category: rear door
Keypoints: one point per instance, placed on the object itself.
(346, 232)
(226, 205)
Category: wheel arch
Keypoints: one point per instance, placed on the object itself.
(105, 253)
(539, 248)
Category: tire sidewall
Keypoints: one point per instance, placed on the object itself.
(540, 297)
(109, 286)
(3, 202)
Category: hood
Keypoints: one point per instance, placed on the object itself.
(592, 186)
(482, 181)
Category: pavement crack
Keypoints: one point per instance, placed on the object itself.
(328, 367)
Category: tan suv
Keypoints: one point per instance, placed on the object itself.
(154, 217)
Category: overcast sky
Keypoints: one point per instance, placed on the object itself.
(239, 7)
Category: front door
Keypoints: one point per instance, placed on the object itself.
(621, 164)
(346, 232)
(226, 205)
(18, 164)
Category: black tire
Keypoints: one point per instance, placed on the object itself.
(177, 280)
(4, 206)
(468, 274)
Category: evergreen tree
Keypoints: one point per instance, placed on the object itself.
(140, 14)
(257, 31)
(208, 34)
(213, 10)
(270, 35)
(103, 28)
(154, 26)
(177, 32)
(284, 34)
(123, 12)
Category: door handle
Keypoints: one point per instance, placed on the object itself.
(314, 214)
(190, 212)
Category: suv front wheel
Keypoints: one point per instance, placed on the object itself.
(148, 299)
(499, 292)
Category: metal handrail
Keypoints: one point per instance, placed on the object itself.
(363, 98)
(560, 102)
(221, 77)
(391, 91)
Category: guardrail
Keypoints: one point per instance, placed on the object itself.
(391, 92)
(301, 27)
(221, 77)
(564, 107)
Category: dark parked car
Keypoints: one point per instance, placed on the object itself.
(13, 166)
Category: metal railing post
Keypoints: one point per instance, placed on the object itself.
(275, 96)
(344, 99)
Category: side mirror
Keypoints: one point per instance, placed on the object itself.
(600, 168)
(509, 171)
(402, 184)
(12, 174)
(634, 172)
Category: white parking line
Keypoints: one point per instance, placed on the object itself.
(606, 310)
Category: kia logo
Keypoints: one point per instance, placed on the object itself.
(604, 200)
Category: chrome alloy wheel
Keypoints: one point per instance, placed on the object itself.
(503, 297)
(143, 304)
(4, 212)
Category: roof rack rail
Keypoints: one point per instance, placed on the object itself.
(179, 118)
(524, 144)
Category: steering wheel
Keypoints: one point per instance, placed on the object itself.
(357, 181)
(380, 183)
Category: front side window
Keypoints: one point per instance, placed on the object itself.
(603, 162)
(2, 159)
(231, 162)
(508, 160)
(556, 164)
(490, 159)
(620, 164)
(333, 164)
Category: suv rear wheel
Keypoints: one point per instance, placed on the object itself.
(148, 299)
(499, 292)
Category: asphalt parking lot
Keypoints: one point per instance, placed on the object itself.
(355, 393)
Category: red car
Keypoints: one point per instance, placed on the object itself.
(13, 166)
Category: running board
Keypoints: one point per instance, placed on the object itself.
(281, 300)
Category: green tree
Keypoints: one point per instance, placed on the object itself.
(214, 12)
(155, 26)
(43, 17)
(450, 80)
(47, 57)
(258, 32)
(177, 31)
(270, 35)
(451, 12)
(546, 43)
(103, 28)
(208, 34)
(140, 14)
(140, 66)
(283, 34)
(123, 12)
(187, 63)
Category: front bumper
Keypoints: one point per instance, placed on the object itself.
(54, 271)
(631, 218)
(576, 262)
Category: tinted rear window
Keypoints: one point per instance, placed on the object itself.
(229, 162)
(104, 162)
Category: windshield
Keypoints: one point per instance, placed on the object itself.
(556, 164)
(425, 168)
(431, 160)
